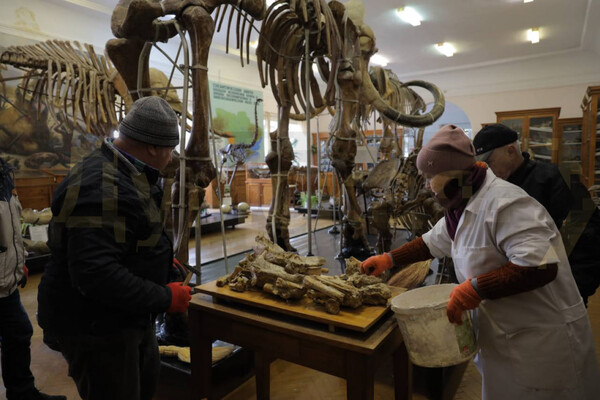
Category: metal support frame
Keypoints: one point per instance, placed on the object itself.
(307, 66)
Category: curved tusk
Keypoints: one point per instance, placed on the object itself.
(370, 95)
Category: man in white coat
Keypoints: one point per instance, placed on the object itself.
(534, 333)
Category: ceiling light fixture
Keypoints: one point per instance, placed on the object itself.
(527, 1)
(533, 35)
(379, 60)
(409, 15)
(446, 49)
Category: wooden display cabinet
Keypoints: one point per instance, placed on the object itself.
(35, 190)
(259, 189)
(537, 130)
(590, 152)
(237, 189)
(569, 139)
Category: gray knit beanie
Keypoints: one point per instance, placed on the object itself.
(450, 149)
(151, 120)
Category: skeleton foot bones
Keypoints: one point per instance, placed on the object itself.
(290, 276)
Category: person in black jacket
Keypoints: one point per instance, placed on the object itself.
(110, 260)
(15, 326)
(569, 205)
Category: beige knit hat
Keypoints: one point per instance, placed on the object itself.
(450, 149)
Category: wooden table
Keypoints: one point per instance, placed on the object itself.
(353, 356)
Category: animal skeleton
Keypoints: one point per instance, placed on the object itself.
(76, 84)
(400, 97)
(356, 88)
(136, 22)
(288, 28)
(400, 193)
(342, 50)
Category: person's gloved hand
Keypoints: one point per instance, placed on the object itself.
(463, 297)
(180, 297)
(375, 265)
(178, 272)
(25, 277)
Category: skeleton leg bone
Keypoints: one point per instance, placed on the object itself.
(279, 161)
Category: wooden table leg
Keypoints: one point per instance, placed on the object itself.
(360, 380)
(452, 380)
(201, 356)
(402, 374)
(262, 371)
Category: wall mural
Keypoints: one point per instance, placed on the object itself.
(57, 100)
(233, 114)
(39, 136)
(32, 138)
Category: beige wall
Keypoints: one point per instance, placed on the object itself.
(481, 108)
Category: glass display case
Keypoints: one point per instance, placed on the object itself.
(537, 130)
(570, 132)
(590, 153)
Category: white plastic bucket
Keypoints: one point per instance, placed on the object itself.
(431, 340)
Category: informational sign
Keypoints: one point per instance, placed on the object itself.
(233, 114)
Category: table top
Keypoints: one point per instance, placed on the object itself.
(359, 319)
(363, 342)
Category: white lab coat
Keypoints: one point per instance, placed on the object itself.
(533, 345)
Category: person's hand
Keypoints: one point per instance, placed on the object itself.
(180, 297)
(463, 297)
(178, 272)
(25, 277)
(375, 265)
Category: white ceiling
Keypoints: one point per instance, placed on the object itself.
(489, 35)
(484, 32)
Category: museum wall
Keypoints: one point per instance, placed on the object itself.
(558, 80)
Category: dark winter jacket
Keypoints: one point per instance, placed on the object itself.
(544, 183)
(110, 254)
(581, 230)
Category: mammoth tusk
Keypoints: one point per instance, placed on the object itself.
(370, 95)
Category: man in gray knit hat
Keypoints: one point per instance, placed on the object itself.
(149, 132)
(111, 260)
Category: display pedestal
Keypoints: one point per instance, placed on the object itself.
(325, 212)
(212, 222)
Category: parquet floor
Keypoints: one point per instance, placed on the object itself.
(288, 381)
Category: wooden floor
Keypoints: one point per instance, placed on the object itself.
(242, 236)
(288, 381)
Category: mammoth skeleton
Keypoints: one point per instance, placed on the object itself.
(340, 45)
(341, 48)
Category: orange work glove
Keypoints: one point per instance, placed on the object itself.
(180, 297)
(179, 271)
(25, 277)
(377, 264)
(463, 297)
